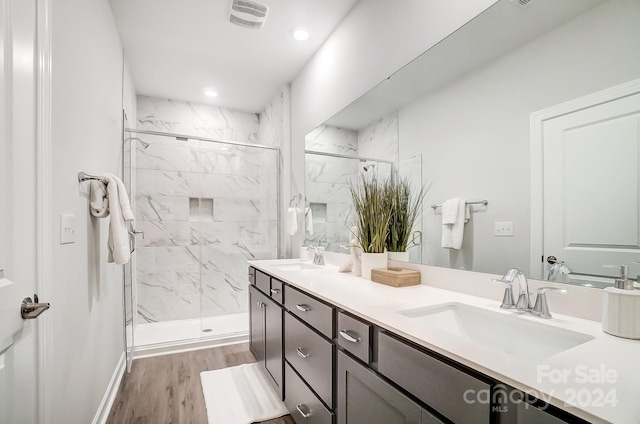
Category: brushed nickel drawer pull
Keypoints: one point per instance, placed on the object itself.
(261, 304)
(275, 291)
(303, 307)
(302, 354)
(304, 410)
(353, 339)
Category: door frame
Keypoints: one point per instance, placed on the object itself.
(44, 218)
(536, 123)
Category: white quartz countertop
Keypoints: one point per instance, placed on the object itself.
(598, 381)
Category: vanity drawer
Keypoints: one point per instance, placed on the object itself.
(312, 311)
(300, 400)
(277, 290)
(354, 335)
(252, 275)
(263, 282)
(436, 383)
(311, 356)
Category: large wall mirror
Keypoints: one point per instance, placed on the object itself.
(464, 110)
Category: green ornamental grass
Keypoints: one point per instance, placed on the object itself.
(372, 213)
(404, 210)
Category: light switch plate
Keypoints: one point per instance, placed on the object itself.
(503, 229)
(67, 228)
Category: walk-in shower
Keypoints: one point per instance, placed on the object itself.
(203, 208)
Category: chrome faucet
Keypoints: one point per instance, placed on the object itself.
(524, 302)
(541, 309)
(318, 255)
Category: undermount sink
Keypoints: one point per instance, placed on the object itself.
(297, 266)
(506, 332)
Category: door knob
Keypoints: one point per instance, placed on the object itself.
(552, 260)
(31, 309)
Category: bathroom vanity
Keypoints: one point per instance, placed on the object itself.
(341, 349)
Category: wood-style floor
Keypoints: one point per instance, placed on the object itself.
(167, 390)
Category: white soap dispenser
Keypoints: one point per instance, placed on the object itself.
(621, 311)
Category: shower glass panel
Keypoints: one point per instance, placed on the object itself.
(411, 169)
(205, 207)
(129, 269)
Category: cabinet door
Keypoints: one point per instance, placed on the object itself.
(273, 341)
(256, 327)
(363, 397)
(528, 414)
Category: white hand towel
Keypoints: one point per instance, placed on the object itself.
(292, 221)
(123, 197)
(121, 214)
(98, 200)
(450, 211)
(452, 234)
(308, 220)
(111, 199)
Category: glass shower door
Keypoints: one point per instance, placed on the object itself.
(129, 269)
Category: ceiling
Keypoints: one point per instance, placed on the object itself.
(177, 48)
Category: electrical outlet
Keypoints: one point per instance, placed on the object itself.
(503, 229)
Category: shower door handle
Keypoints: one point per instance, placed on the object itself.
(132, 239)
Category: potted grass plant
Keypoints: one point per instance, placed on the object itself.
(372, 213)
(405, 207)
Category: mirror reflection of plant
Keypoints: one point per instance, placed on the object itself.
(405, 208)
(371, 212)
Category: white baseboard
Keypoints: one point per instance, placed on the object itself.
(112, 390)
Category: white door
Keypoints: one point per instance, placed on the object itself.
(18, 348)
(592, 186)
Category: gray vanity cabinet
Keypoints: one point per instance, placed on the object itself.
(273, 360)
(256, 324)
(363, 397)
(265, 335)
(336, 367)
(528, 414)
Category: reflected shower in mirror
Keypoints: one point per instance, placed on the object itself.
(334, 159)
(466, 104)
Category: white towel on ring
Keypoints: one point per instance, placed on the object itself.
(110, 198)
(292, 221)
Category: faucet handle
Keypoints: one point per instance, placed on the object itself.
(541, 308)
(624, 270)
(507, 300)
(623, 281)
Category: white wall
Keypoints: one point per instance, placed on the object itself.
(86, 109)
(474, 134)
(129, 97)
(373, 41)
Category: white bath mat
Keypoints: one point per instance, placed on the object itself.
(240, 395)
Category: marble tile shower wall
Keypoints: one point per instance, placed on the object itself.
(328, 139)
(177, 117)
(327, 194)
(379, 140)
(205, 208)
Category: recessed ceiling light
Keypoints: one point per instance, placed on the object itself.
(210, 93)
(299, 33)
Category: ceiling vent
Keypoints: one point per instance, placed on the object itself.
(248, 14)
